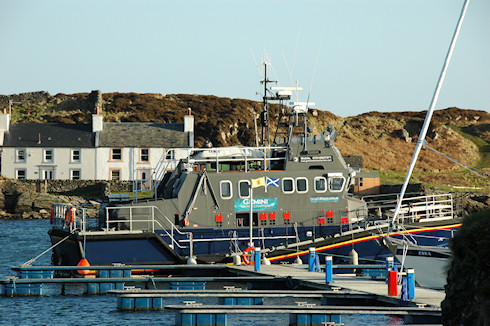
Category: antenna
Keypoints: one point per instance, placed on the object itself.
(10, 106)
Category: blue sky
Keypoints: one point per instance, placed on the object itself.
(352, 56)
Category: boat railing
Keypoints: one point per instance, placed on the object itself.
(69, 217)
(135, 219)
(152, 182)
(417, 208)
(427, 208)
(166, 163)
(246, 155)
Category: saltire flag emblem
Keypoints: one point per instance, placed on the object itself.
(272, 182)
(259, 182)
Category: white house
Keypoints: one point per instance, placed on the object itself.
(100, 151)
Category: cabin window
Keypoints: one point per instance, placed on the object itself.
(288, 185)
(20, 155)
(301, 185)
(320, 184)
(225, 189)
(316, 167)
(75, 155)
(244, 188)
(144, 155)
(20, 174)
(336, 183)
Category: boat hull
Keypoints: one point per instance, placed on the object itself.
(209, 247)
(430, 265)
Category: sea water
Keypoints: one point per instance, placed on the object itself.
(21, 240)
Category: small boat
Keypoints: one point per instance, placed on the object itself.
(430, 263)
(218, 204)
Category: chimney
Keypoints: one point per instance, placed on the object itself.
(4, 125)
(189, 128)
(97, 122)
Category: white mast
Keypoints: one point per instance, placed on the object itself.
(425, 127)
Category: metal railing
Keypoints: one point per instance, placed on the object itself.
(422, 208)
(61, 221)
(235, 154)
(147, 218)
(152, 183)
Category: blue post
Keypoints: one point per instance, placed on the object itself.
(411, 283)
(311, 260)
(328, 270)
(389, 265)
(257, 259)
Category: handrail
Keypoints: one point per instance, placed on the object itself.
(152, 220)
(159, 171)
(237, 154)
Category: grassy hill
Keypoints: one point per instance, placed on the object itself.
(386, 140)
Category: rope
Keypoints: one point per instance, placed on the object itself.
(29, 262)
(152, 281)
(466, 166)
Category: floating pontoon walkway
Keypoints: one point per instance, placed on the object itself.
(350, 283)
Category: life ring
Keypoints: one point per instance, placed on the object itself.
(51, 212)
(69, 215)
(185, 221)
(246, 254)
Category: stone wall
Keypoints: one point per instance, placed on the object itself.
(65, 186)
(33, 198)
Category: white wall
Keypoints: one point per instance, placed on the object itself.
(61, 165)
(95, 163)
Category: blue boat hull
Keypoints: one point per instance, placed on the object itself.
(211, 245)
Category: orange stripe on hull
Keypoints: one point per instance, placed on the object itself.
(364, 239)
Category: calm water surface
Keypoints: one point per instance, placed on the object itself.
(21, 240)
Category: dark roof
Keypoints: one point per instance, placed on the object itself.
(367, 175)
(50, 134)
(141, 134)
(355, 161)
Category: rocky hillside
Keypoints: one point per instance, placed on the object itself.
(386, 140)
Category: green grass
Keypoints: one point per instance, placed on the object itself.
(450, 181)
(141, 195)
(482, 144)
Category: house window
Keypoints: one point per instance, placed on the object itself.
(48, 155)
(115, 174)
(75, 155)
(144, 155)
(320, 184)
(301, 185)
(288, 185)
(225, 189)
(20, 155)
(20, 174)
(244, 188)
(75, 174)
(169, 155)
(116, 154)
